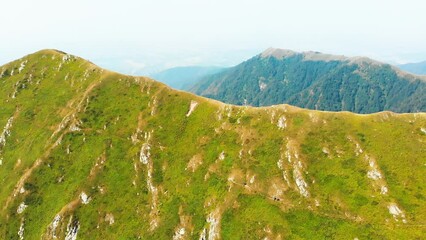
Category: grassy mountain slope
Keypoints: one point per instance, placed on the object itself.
(317, 81)
(184, 77)
(415, 68)
(91, 154)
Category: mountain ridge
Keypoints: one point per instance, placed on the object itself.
(285, 105)
(280, 53)
(91, 154)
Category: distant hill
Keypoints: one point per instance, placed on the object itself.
(316, 81)
(183, 77)
(416, 68)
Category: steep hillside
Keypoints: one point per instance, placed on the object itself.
(90, 154)
(416, 68)
(317, 81)
(184, 77)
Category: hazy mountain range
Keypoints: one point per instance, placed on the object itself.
(184, 77)
(86, 153)
(416, 68)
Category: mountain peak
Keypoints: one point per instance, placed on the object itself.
(315, 56)
(278, 53)
(50, 51)
(308, 55)
(318, 56)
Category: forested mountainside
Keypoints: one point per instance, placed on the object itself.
(86, 153)
(316, 81)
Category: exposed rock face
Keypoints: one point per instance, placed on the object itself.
(214, 225)
(21, 231)
(192, 107)
(396, 212)
(5, 133)
(109, 218)
(72, 229)
(53, 226)
(84, 198)
(21, 208)
(282, 122)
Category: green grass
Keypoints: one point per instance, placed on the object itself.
(114, 107)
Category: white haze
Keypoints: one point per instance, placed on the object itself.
(140, 37)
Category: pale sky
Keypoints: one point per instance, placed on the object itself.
(142, 36)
